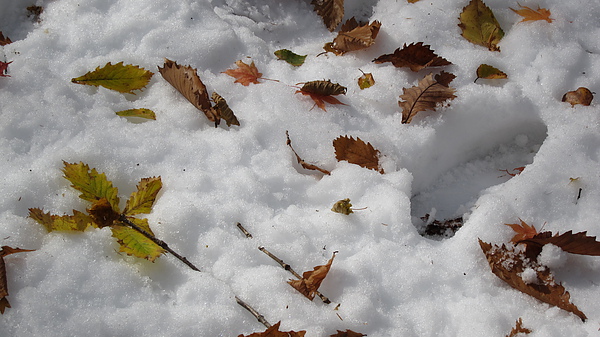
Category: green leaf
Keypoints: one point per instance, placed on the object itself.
(479, 25)
(290, 57)
(76, 222)
(92, 185)
(135, 243)
(489, 73)
(142, 113)
(119, 77)
(342, 206)
(141, 201)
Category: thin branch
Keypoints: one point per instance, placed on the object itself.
(255, 313)
(248, 235)
(289, 268)
(160, 243)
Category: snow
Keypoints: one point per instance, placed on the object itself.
(388, 279)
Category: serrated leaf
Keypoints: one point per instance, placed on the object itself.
(488, 72)
(77, 222)
(356, 151)
(290, 57)
(366, 81)
(119, 77)
(135, 243)
(141, 112)
(223, 110)
(4, 40)
(311, 280)
(426, 95)
(322, 91)
(353, 36)
(530, 14)
(6, 250)
(332, 12)
(244, 73)
(414, 56)
(92, 185)
(479, 25)
(273, 331)
(142, 200)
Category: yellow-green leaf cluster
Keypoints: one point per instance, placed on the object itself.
(135, 243)
(141, 201)
(92, 185)
(77, 222)
(119, 77)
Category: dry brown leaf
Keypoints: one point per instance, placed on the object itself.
(357, 152)
(414, 56)
(530, 14)
(518, 329)
(4, 40)
(301, 161)
(102, 213)
(6, 250)
(524, 231)
(347, 333)
(245, 73)
(223, 110)
(581, 96)
(353, 36)
(332, 12)
(322, 91)
(509, 265)
(426, 95)
(311, 280)
(578, 243)
(273, 331)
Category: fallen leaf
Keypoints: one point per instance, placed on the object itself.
(348, 333)
(515, 172)
(35, 12)
(322, 91)
(118, 77)
(366, 81)
(342, 206)
(311, 280)
(4, 40)
(102, 213)
(356, 151)
(509, 265)
(92, 185)
(426, 95)
(489, 73)
(142, 200)
(581, 96)
(77, 222)
(479, 25)
(530, 14)
(223, 110)
(332, 12)
(273, 331)
(290, 57)
(141, 113)
(353, 36)
(6, 250)
(412, 1)
(523, 230)
(518, 329)
(4, 68)
(301, 161)
(134, 243)
(245, 73)
(578, 243)
(414, 56)
(186, 80)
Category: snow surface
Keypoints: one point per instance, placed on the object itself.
(388, 279)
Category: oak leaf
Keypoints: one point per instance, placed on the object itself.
(322, 91)
(366, 81)
(301, 161)
(426, 95)
(356, 151)
(347, 333)
(479, 25)
(290, 57)
(518, 329)
(311, 280)
(4, 40)
(353, 36)
(223, 110)
(414, 56)
(342, 206)
(523, 230)
(273, 331)
(6, 250)
(4, 68)
(245, 73)
(332, 12)
(118, 77)
(581, 96)
(530, 14)
(509, 265)
(488, 72)
(140, 112)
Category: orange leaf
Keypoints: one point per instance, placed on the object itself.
(245, 73)
(332, 12)
(426, 95)
(347, 333)
(581, 96)
(355, 151)
(353, 36)
(530, 14)
(3, 67)
(4, 40)
(273, 331)
(518, 329)
(414, 56)
(578, 243)
(6, 250)
(321, 92)
(524, 231)
(311, 280)
(301, 161)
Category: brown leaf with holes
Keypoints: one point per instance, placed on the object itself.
(332, 12)
(414, 56)
(347, 333)
(311, 280)
(245, 73)
(273, 331)
(301, 161)
(524, 231)
(6, 250)
(518, 329)
(509, 265)
(356, 151)
(353, 36)
(4, 40)
(530, 14)
(426, 95)
(322, 91)
(581, 96)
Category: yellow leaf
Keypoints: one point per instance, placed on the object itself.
(141, 201)
(489, 73)
(479, 25)
(119, 77)
(92, 185)
(76, 222)
(141, 112)
(135, 243)
(366, 81)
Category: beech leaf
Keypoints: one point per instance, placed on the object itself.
(4, 40)
(581, 96)
(342, 206)
(414, 56)
(92, 185)
(223, 110)
(301, 161)
(356, 151)
(311, 280)
(509, 265)
(366, 81)
(142, 200)
(479, 25)
(77, 222)
(530, 14)
(245, 73)
(141, 112)
(273, 331)
(290, 57)
(119, 77)
(518, 329)
(4, 68)
(426, 95)
(353, 36)
(489, 73)
(322, 91)
(135, 243)
(6, 250)
(332, 12)
(523, 230)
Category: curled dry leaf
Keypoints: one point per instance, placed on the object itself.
(301, 161)
(332, 12)
(245, 73)
(223, 110)
(4, 40)
(581, 96)
(322, 91)
(311, 280)
(479, 25)
(4, 68)
(342, 206)
(518, 329)
(273, 331)
(509, 265)
(426, 95)
(414, 56)
(356, 151)
(530, 14)
(6, 250)
(523, 230)
(578, 243)
(489, 73)
(353, 36)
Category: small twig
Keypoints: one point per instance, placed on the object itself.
(255, 313)
(248, 235)
(160, 243)
(289, 268)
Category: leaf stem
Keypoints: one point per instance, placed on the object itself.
(255, 313)
(246, 233)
